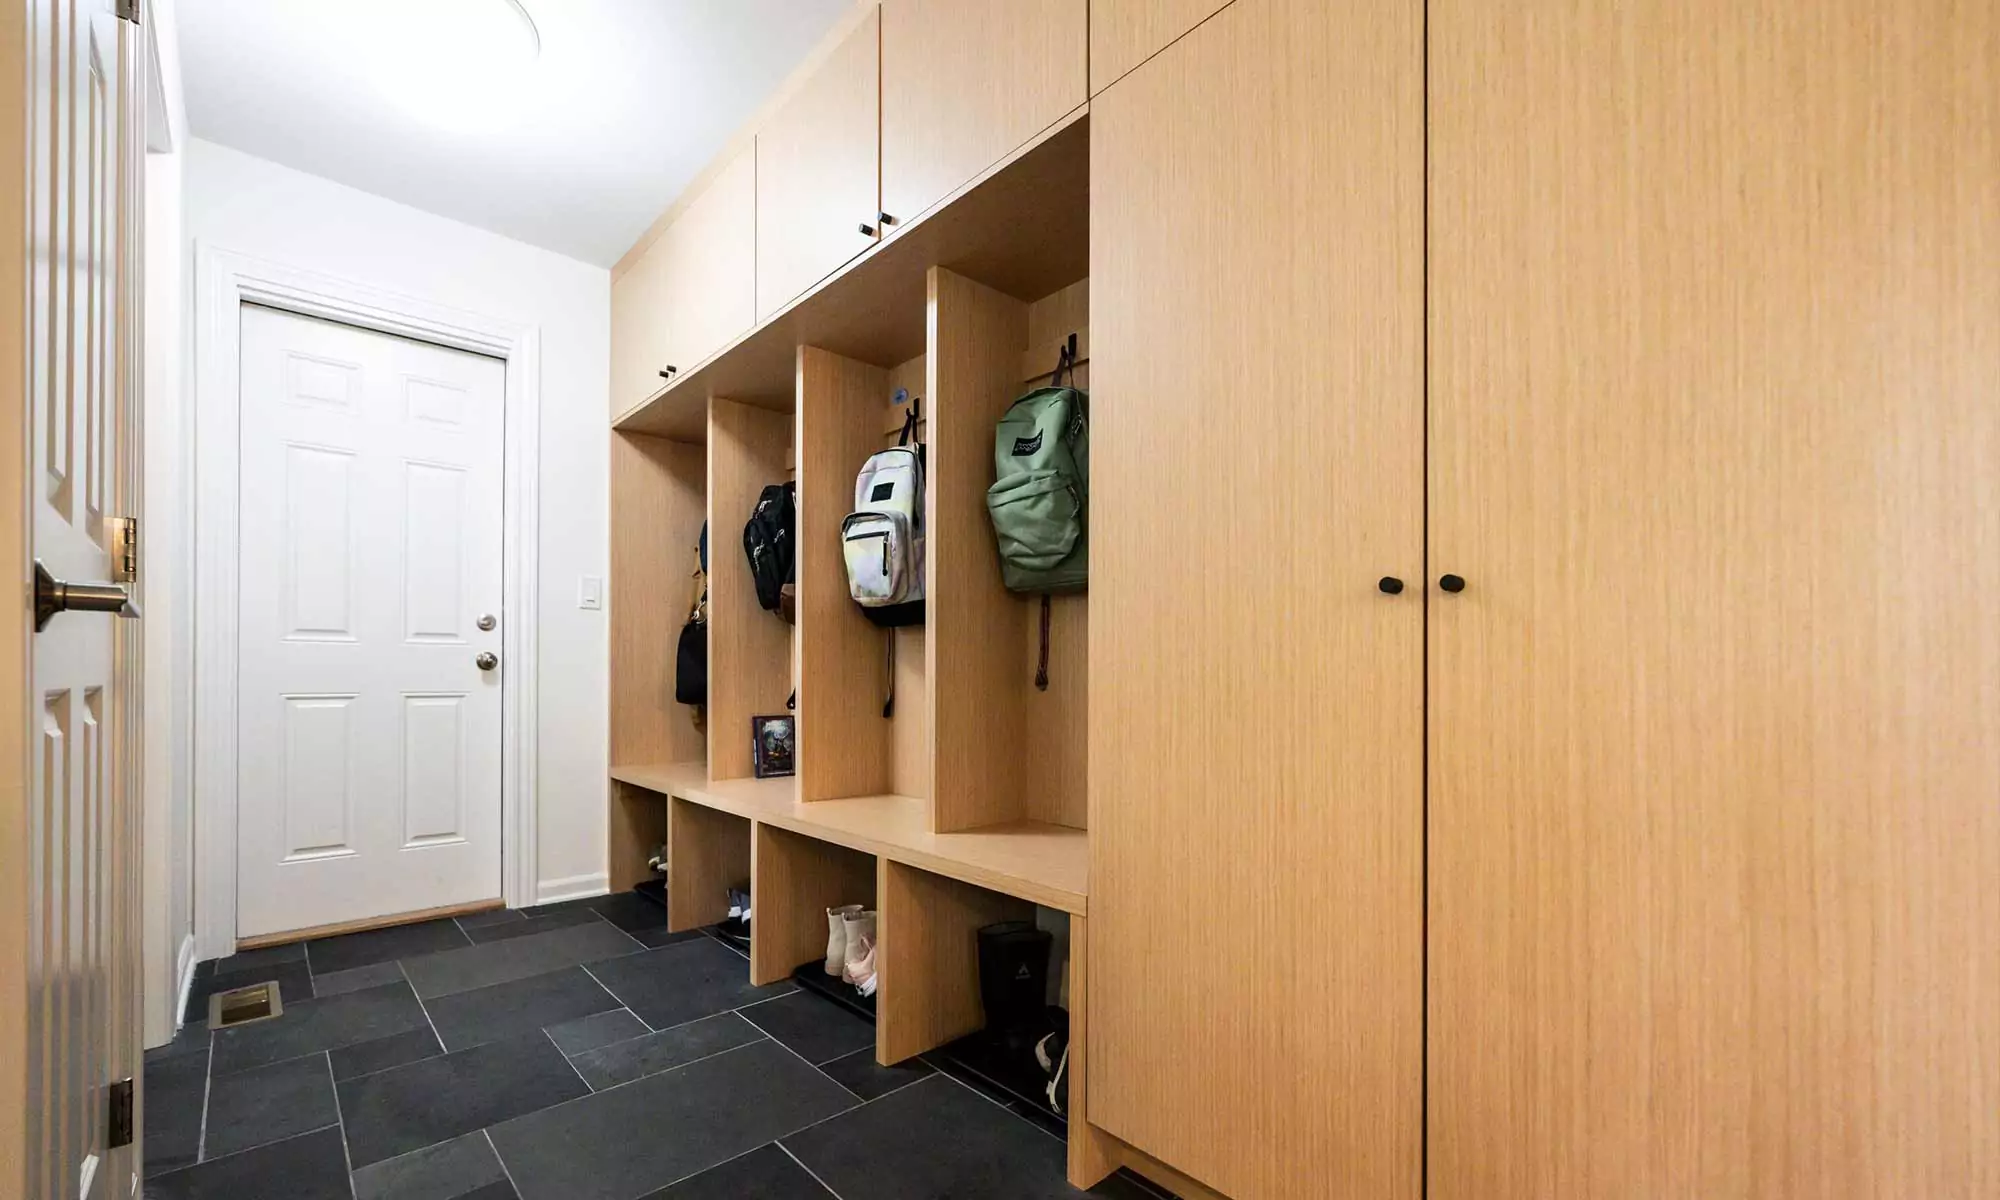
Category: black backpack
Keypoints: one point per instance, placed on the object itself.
(691, 653)
(769, 539)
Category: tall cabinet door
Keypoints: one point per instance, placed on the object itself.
(1256, 793)
(1714, 722)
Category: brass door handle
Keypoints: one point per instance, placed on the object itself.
(54, 595)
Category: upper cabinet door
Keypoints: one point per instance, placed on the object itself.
(711, 273)
(1256, 212)
(639, 329)
(966, 81)
(1125, 33)
(818, 165)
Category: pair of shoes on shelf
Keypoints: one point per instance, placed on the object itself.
(850, 946)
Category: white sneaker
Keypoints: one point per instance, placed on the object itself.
(864, 971)
(860, 936)
(836, 937)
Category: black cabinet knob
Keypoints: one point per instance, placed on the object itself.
(668, 372)
(884, 219)
(1390, 584)
(1451, 583)
(867, 230)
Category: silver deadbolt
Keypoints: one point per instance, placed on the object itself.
(487, 660)
(486, 622)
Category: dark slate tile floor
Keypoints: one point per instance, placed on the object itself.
(568, 1052)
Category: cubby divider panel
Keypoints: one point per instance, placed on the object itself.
(793, 881)
(843, 738)
(708, 852)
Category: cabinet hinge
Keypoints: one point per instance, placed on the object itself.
(128, 10)
(121, 539)
(118, 1123)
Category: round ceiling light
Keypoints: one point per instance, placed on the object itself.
(460, 64)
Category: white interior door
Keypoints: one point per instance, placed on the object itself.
(368, 748)
(80, 881)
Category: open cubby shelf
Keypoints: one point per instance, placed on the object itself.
(965, 806)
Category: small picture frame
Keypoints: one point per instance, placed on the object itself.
(773, 746)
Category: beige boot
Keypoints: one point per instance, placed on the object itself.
(836, 937)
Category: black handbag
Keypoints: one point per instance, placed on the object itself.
(691, 663)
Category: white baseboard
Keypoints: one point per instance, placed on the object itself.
(575, 887)
(184, 971)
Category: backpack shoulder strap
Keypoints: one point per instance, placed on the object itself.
(1066, 361)
(698, 585)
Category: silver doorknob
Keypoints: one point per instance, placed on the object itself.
(53, 595)
(487, 660)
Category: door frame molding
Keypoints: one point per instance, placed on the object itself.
(225, 280)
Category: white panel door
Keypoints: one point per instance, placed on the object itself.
(69, 848)
(368, 750)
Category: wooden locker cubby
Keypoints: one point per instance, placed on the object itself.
(749, 648)
(967, 805)
(710, 853)
(1004, 751)
(658, 501)
(793, 881)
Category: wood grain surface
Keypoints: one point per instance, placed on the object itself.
(1125, 33)
(975, 626)
(1256, 297)
(1714, 726)
(844, 745)
(966, 81)
(818, 171)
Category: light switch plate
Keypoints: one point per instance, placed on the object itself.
(590, 592)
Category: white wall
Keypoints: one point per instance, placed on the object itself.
(167, 837)
(251, 206)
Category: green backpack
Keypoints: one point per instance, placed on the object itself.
(1040, 497)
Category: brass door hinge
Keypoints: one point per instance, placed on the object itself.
(121, 535)
(128, 10)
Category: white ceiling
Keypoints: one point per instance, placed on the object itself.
(630, 100)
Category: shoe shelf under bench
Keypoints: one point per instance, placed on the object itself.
(931, 892)
(1033, 860)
